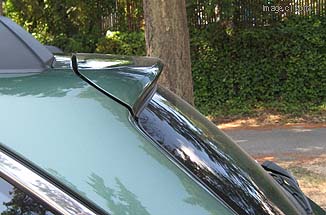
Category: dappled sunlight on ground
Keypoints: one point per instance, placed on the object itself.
(267, 120)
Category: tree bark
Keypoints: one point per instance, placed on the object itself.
(167, 37)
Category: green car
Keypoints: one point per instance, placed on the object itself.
(95, 134)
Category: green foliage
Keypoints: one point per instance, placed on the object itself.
(122, 43)
(284, 64)
(73, 25)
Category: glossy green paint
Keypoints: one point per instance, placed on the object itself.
(88, 142)
(127, 78)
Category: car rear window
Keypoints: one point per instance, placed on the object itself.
(211, 157)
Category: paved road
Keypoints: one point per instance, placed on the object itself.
(296, 140)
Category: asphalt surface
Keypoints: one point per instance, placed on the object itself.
(281, 141)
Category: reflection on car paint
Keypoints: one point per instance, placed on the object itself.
(59, 113)
(40, 188)
(186, 139)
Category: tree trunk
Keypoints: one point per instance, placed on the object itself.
(167, 37)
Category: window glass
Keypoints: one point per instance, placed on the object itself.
(211, 157)
(14, 201)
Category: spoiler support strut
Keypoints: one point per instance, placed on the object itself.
(74, 65)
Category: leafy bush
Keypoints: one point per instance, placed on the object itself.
(131, 43)
(72, 25)
(284, 64)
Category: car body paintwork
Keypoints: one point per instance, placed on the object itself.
(126, 78)
(23, 189)
(91, 144)
(88, 142)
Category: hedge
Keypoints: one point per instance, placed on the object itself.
(236, 71)
(283, 64)
(130, 43)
